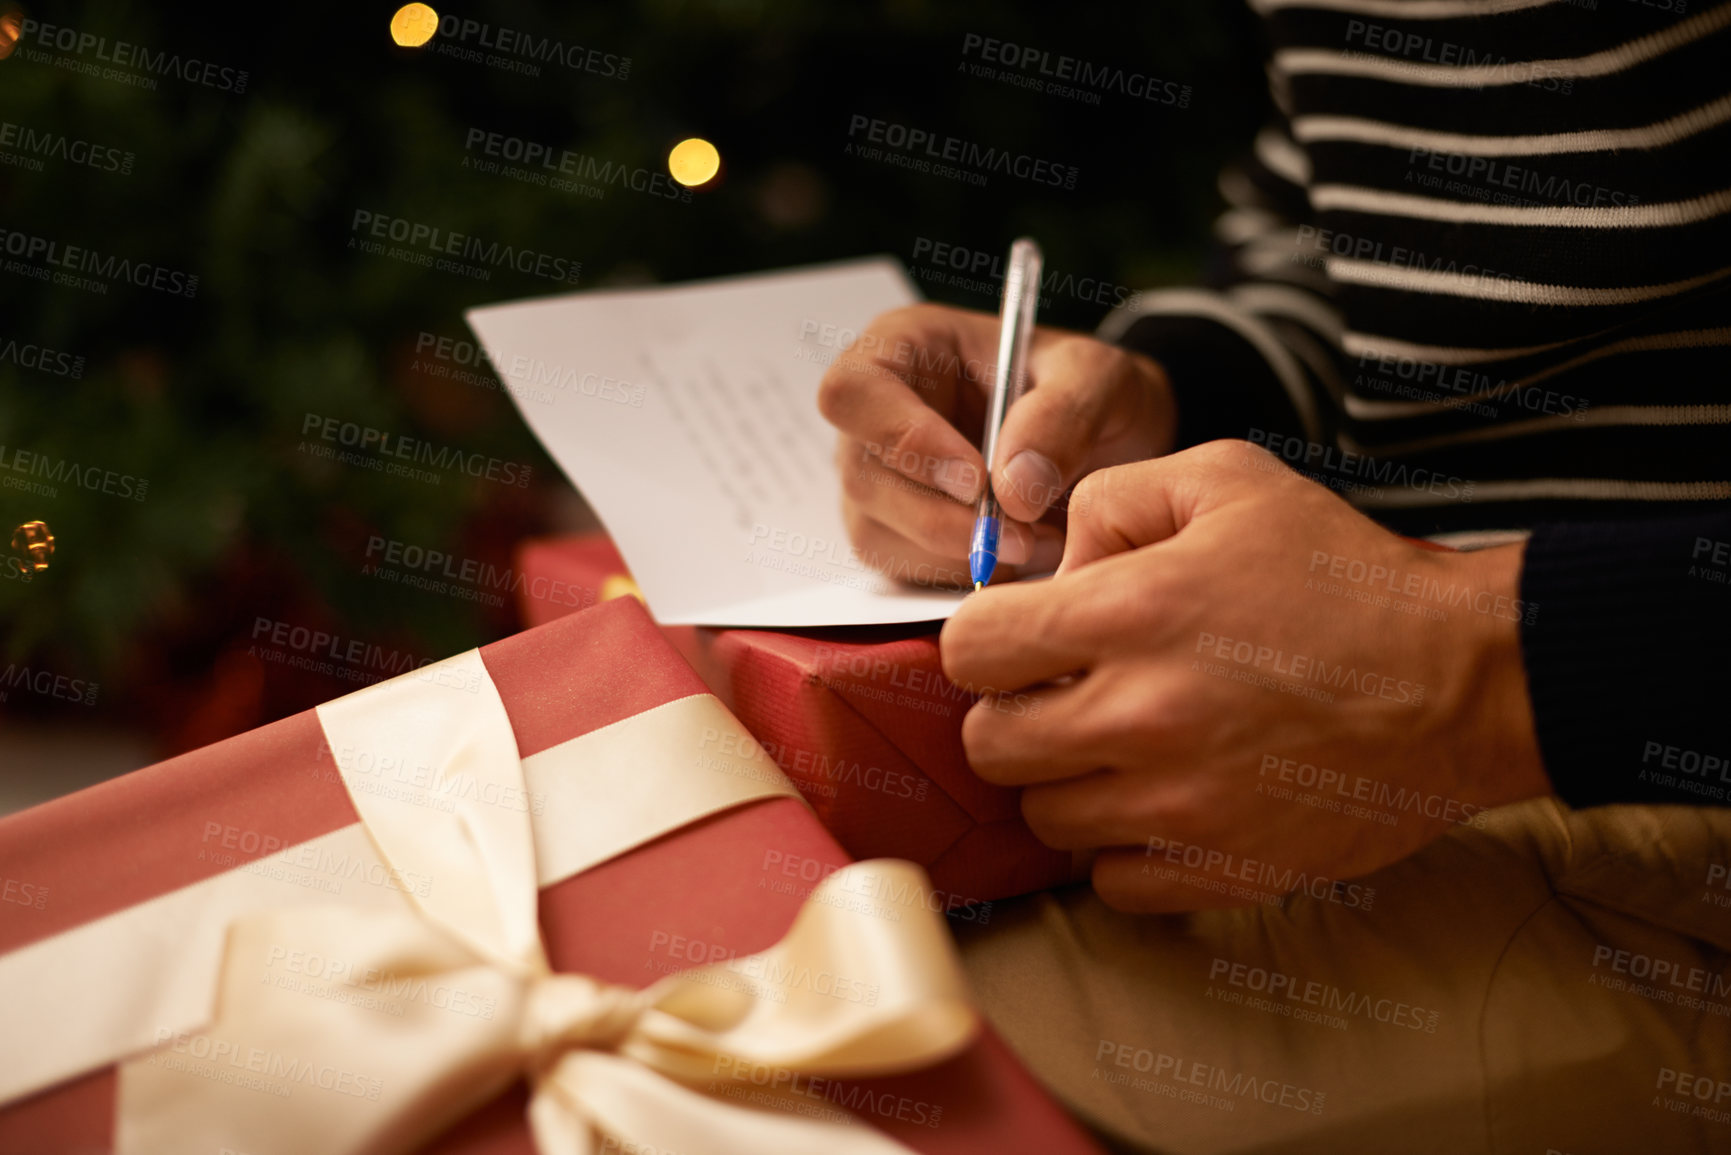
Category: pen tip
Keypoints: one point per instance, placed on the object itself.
(979, 586)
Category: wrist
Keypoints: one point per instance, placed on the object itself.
(1496, 719)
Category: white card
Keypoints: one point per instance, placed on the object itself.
(687, 417)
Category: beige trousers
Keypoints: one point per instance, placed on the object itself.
(1558, 981)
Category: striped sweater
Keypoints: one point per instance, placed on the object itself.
(1477, 277)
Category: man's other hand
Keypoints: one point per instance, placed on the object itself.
(1244, 686)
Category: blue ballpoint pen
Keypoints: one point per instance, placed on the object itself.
(1015, 330)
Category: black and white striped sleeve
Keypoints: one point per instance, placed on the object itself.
(1251, 351)
(1491, 239)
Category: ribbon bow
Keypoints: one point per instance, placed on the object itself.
(345, 1030)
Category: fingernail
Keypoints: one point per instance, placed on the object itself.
(959, 479)
(1048, 552)
(1015, 544)
(1031, 476)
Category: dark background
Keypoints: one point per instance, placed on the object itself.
(155, 601)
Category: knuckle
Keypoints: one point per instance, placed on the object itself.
(855, 485)
(1044, 814)
(1069, 418)
(1119, 721)
(1179, 715)
(1146, 809)
(988, 754)
(923, 313)
(1075, 347)
(1149, 372)
(1109, 613)
(1113, 356)
(851, 454)
(1118, 888)
(900, 447)
(1137, 366)
(1088, 496)
(929, 526)
(959, 641)
(1230, 451)
(856, 480)
(902, 324)
(834, 393)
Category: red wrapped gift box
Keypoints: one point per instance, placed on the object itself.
(863, 720)
(728, 881)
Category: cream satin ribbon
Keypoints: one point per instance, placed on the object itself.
(342, 1029)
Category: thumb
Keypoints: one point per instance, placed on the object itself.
(1082, 390)
(1128, 506)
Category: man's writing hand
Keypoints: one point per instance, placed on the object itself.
(910, 399)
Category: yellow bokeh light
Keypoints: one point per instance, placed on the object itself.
(693, 162)
(414, 25)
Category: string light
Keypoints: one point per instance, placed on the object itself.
(693, 161)
(414, 25)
